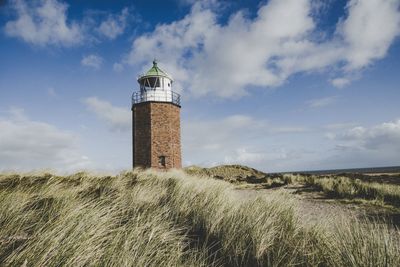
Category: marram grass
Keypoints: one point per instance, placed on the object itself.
(344, 187)
(146, 218)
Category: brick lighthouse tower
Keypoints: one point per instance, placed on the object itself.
(156, 122)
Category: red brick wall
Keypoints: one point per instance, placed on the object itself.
(156, 132)
(141, 135)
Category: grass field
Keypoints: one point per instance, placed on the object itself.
(381, 188)
(148, 218)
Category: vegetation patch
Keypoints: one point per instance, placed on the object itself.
(238, 174)
(146, 218)
(382, 188)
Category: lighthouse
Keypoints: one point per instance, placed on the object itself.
(156, 134)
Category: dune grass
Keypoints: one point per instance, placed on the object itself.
(335, 186)
(146, 218)
(344, 187)
(230, 173)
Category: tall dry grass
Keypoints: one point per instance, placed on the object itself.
(145, 218)
(344, 187)
(89, 221)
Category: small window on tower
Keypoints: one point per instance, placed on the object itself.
(161, 161)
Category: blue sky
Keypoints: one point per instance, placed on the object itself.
(278, 85)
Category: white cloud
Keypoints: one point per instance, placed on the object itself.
(207, 57)
(117, 118)
(259, 157)
(383, 136)
(241, 139)
(369, 30)
(92, 61)
(244, 156)
(114, 25)
(117, 67)
(42, 23)
(322, 102)
(236, 139)
(340, 82)
(320, 8)
(26, 144)
(45, 22)
(362, 146)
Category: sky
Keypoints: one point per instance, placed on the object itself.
(279, 85)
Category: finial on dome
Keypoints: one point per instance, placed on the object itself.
(154, 62)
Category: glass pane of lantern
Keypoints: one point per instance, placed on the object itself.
(153, 81)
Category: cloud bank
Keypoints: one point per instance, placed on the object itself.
(42, 23)
(385, 136)
(237, 139)
(45, 23)
(26, 144)
(208, 57)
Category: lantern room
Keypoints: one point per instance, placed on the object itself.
(155, 85)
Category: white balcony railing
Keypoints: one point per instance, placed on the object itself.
(157, 96)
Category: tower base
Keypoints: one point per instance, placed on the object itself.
(156, 135)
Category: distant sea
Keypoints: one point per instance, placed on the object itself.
(391, 169)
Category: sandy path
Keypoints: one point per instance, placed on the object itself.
(312, 207)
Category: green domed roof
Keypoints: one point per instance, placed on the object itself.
(155, 71)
